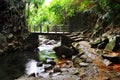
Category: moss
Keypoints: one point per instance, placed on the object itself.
(110, 46)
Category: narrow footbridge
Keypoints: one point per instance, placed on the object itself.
(56, 31)
(51, 33)
(57, 34)
(65, 35)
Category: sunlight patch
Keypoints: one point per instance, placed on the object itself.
(47, 2)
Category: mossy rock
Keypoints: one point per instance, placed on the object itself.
(110, 46)
(95, 43)
(77, 61)
(99, 51)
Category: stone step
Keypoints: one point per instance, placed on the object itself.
(74, 37)
(69, 35)
(73, 34)
(78, 39)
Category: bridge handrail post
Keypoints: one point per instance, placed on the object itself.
(40, 28)
(34, 28)
(47, 29)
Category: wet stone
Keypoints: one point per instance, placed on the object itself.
(107, 62)
(88, 60)
(83, 57)
(95, 43)
(39, 64)
(76, 71)
(82, 64)
(76, 62)
(51, 42)
(56, 74)
(48, 67)
(44, 75)
(117, 75)
(50, 61)
(44, 41)
(113, 58)
(69, 64)
(91, 70)
(57, 69)
(64, 50)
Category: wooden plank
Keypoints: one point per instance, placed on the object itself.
(50, 33)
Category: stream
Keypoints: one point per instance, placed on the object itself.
(49, 62)
(86, 65)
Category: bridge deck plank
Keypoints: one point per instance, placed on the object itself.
(50, 33)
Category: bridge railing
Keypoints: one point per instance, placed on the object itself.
(47, 29)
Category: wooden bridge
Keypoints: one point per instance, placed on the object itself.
(65, 36)
(56, 31)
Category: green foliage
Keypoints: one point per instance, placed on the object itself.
(101, 6)
(33, 12)
(37, 13)
(43, 55)
(61, 9)
(58, 11)
(83, 5)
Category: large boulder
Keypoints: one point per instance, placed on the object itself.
(65, 51)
